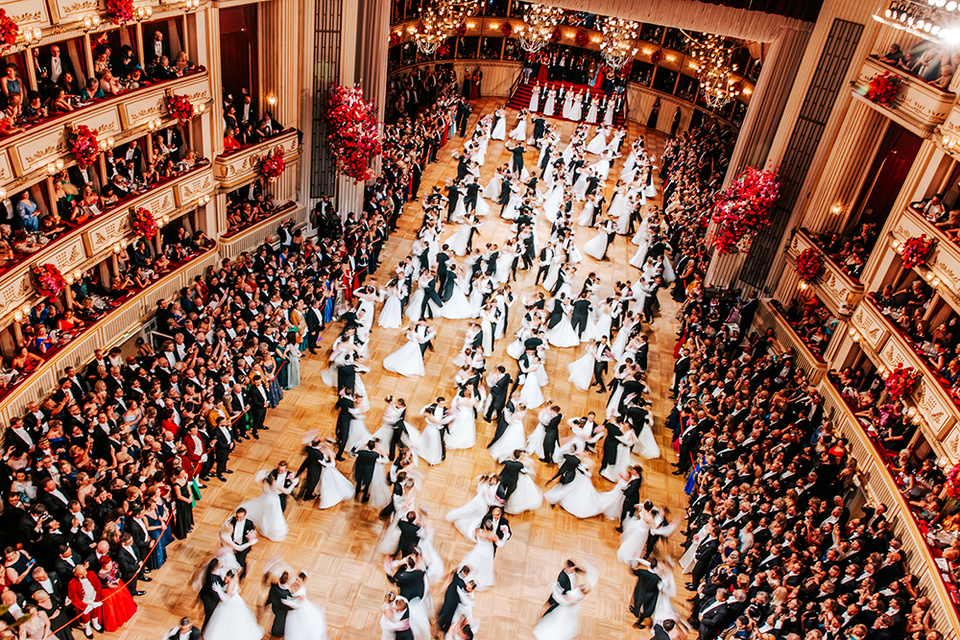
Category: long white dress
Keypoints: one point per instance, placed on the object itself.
(647, 446)
(381, 493)
(519, 132)
(668, 591)
(480, 561)
(334, 486)
(596, 247)
(467, 518)
(500, 130)
(526, 497)
(535, 100)
(462, 432)
(391, 314)
(430, 447)
(264, 511)
(592, 112)
(305, 621)
(579, 497)
(233, 620)
(458, 307)
(563, 623)
(513, 438)
(492, 190)
(551, 103)
(563, 335)
(407, 360)
(576, 112)
(531, 393)
(633, 540)
(599, 142)
(581, 371)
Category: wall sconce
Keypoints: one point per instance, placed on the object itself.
(191, 5)
(77, 274)
(201, 107)
(55, 167)
(144, 13)
(854, 334)
(595, 39)
(803, 285)
(202, 200)
(271, 99)
(162, 222)
(17, 316)
(154, 124)
(935, 282)
(570, 35)
(836, 209)
(747, 90)
(91, 22)
(471, 25)
(69, 278)
(949, 143)
(116, 247)
(3, 194)
(107, 143)
(671, 58)
(411, 30)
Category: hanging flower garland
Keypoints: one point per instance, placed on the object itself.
(581, 38)
(144, 224)
(656, 57)
(743, 208)
(120, 11)
(953, 482)
(883, 88)
(353, 132)
(272, 165)
(917, 250)
(902, 381)
(506, 29)
(180, 107)
(809, 266)
(9, 30)
(84, 145)
(394, 38)
(48, 280)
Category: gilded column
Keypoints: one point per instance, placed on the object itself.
(211, 122)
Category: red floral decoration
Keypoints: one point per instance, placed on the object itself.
(902, 381)
(462, 29)
(84, 145)
(742, 209)
(953, 482)
(272, 165)
(353, 132)
(656, 57)
(443, 51)
(917, 250)
(144, 224)
(180, 108)
(506, 29)
(120, 11)
(625, 70)
(9, 30)
(581, 38)
(48, 280)
(394, 38)
(883, 88)
(556, 35)
(809, 266)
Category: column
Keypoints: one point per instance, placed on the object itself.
(372, 42)
(845, 170)
(280, 56)
(788, 287)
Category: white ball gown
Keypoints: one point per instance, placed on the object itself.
(391, 314)
(576, 112)
(513, 437)
(535, 100)
(526, 497)
(430, 447)
(334, 486)
(467, 518)
(305, 621)
(668, 591)
(519, 132)
(232, 619)
(633, 540)
(647, 446)
(531, 392)
(563, 623)
(592, 112)
(407, 360)
(581, 370)
(599, 141)
(264, 511)
(596, 247)
(462, 432)
(579, 497)
(563, 335)
(550, 104)
(480, 561)
(500, 130)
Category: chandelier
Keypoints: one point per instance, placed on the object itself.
(540, 21)
(430, 35)
(619, 41)
(715, 65)
(453, 12)
(933, 20)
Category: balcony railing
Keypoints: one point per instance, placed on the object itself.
(88, 242)
(236, 242)
(838, 290)
(25, 155)
(106, 332)
(811, 363)
(919, 106)
(944, 260)
(875, 473)
(243, 165)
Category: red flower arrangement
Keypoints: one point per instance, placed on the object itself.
(902, 381)
(120, 11)
(84, 145)
(506, 29)
(917, 250)
(742, 209)
(353, 132)
(809, 266)
(556, 35)
(443, 51)
(656, 57)
(581, 38)
(883, 88)
(144, 224)
(394, 38)
(48, 280)
(272, 165)
(462, 29)
(9, 30)
(180, 108)
(953, 482)
(624, 72)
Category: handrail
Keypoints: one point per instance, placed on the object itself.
(516, 82)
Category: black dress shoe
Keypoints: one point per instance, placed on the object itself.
(204, 478)
(690, 585)
(221, 478)
(203, 486)
(256, 437)
(227, 471)
(677, 473)
(265, 428)
(139, 593)
(88, 633)
(638, 625)
(147, 579)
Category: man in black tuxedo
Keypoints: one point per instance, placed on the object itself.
(283, 481)
(631, 494)
(344, 403)
(431, 294)
(661, 630)
(499, 525)
(311, 464)
(442, 257)
(473, 193)
(129, 562)
(364, 467)
(222, 446)
(642, 352)
(450, 283)
(409, 534)
(258, 406)
(451, 597)
(581, 309)
(652, 304)
(713, 616)
(183, 631)
(704, 557)
(680, 369)
(279, 592)
(243, 536)
(409, 578)
(565, 583)
(505, 190)
(463, 114)
(453, 197)
(347, 373)
(516, 158)
(539, 128)
(509, 475)
(210, 591)
(567, 472)
(498, 393)
(551, 434)
(645, 592)
(314, 325)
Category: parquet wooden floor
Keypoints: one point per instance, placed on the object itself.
(337, 546)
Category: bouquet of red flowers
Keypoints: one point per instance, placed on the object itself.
(902, 381)
(581, 38)
(84, 145)
(353, 131)
(48, 280)
(272, 165)
(144, 224)
(462, 29)
(443, 51)
(556, 35)
(506, 29)
(656, 57)
(394, 38)
(742, 209)
(9, 30)
(120, 11)
(953, 482)
(883, 88)
(180, 108)
(917, 250)
(809, 266)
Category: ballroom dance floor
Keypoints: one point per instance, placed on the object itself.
(337, 547)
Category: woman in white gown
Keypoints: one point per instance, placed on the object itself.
(519, 132)
(500, 128)
(625, 442)
(407, 360)
(458, 241)
(576, 111)
(527, 496)
(531, 394)
(563, 621)
(633, 540)
(492, 190)
(599, 141)
(581, 185)
(592, 111)
(513, 437)
(391, 314)
(264, 511)
(467, 518)
(668, 591)
(563, 335)
(430, 445)
(415, 303)
(462, 432)
(589, 211)
(480, 558)
(596, 247)
(358, 433)
(232, 619)
(334, 486)
(550, 105)
(535, 99)
(305, 620)
(602, 166)
(581, 370)
(578, 498)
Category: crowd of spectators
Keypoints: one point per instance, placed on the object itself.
(242, 127)
(812, 321)
(851, 254)
(99, 478)
(936, 212)
(930, 62)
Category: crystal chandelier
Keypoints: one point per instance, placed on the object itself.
(453, 12)
(619, 43)
(438, 23)
(714, 64)
(540, 21)
(430, 34)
